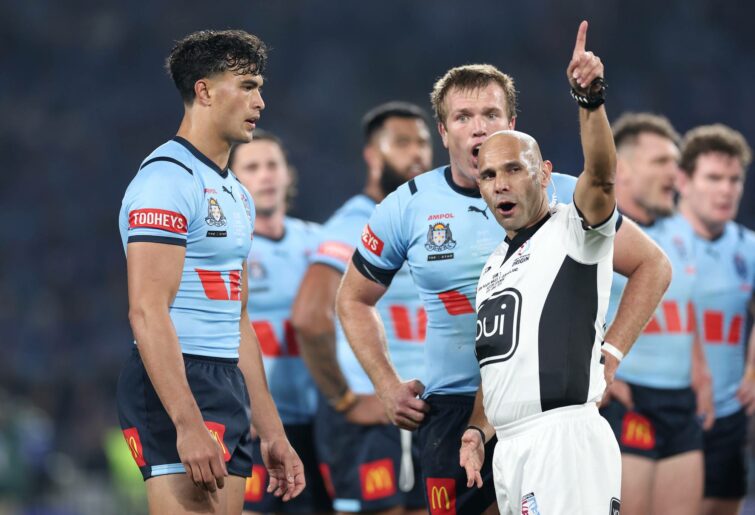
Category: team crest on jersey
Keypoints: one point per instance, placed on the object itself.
(529, 505)
(740, 266)
(439, 237)
(257, 270)
(215, 216)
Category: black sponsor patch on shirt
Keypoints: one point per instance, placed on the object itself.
(217, 234)
(440, 257)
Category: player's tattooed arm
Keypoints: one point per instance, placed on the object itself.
(313, 318)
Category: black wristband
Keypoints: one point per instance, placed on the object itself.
(482, 433)
(589, 100)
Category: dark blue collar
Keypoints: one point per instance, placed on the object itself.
(206, 160)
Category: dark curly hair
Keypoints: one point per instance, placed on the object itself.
(713, 138)
(377, 116)
(208, 52)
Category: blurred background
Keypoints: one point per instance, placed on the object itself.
(85, 98)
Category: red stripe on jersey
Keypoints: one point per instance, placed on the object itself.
(714, 326)
(372, 242)
(269, 344)
(673, 318)
(157, 219)
(735, 330)
(213, 284)
(337, 250)
(456, 303)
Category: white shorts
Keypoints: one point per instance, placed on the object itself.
(561, 462)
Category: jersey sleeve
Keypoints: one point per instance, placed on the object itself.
(160, 204)
(336, 241)
(590, 243)
(381, 250)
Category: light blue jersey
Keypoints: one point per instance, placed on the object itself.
(445, 233)
(400, 307)
(180, 197)
(721, 298)
(275, 268)
(662, 355)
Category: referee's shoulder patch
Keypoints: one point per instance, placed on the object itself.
(413, 186)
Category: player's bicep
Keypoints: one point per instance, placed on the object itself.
(595, 200)
(357, 288)
(314, 306)
(154, 273)
(632, 248)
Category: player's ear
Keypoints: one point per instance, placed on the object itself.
(682, 183)
(371, 157)
(512, 123)
(547, 169)
(443, 134)
(202, 92)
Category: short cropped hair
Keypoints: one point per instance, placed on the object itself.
(209, 52)
(376, 117)
(713, 138)
(629, 126)
(471, 77)
(263, 135)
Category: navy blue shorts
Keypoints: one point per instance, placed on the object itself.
(220, 392)
(725, 460)
(369, 466)
(444, 479)
(663, 423)
(313, 499)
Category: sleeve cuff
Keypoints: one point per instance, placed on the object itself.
(372, 272)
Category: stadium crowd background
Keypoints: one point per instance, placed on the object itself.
(85, 99)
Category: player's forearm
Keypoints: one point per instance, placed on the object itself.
(478, 418)
(598, 147)
(265, 417)
(161, 354)
(643, 292)
(365, 332)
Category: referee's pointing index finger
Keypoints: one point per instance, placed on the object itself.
(579, 46)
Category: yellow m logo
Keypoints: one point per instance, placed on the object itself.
(437, 496)
(378, 480)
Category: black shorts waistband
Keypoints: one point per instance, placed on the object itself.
(197, 358)
(450, 400)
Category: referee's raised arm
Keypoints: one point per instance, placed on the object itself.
(594, 194)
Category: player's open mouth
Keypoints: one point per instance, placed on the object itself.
(252, 122)
(506, 208)
(476, 153)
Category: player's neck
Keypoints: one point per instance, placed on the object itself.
(374, 191)
(206, 140)
(702, 229)
(270, 226)
(461, 179)
(629, 207)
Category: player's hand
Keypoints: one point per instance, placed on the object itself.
(403, 405)
(202, 456)
(610, 364)
(584, 66)
(704, 394)
(746, 392)
(367, 411)
(621, 392)
(472, 456)
(284, 467)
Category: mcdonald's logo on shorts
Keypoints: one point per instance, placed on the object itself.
(254, 490)
(637, 432)
(135, 445)
(441, 496)
(378, 479)
(217, 430)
